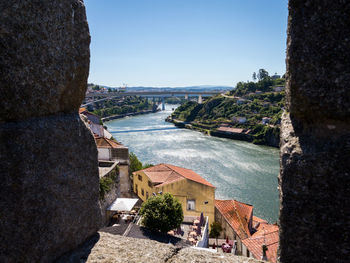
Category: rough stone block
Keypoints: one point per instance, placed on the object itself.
(314, 189)
(44, 57)
(49, 187)
(318, 60)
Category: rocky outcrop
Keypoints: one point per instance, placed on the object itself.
(44, 57)
(48, 158)
(113, 248)
(315, 136)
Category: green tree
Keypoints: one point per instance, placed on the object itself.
(262, 74)
(147, 165)
(215, 230)
(254, 76)
(162, 213)
(135, 163)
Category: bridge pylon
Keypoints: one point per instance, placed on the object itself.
(163, 103)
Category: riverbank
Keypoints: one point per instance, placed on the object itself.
(240, 170)
(119, 116)
(233, 133)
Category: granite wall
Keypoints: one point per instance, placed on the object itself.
(48, 158)
(315, 136)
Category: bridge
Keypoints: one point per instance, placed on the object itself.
(162, 94)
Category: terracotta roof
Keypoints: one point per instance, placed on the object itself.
(167, 173)
(103, 142)
(81, 110)
(158, 177)
(257, 220)
(237, 214)
(266, 234)
(228, 129)
(189, 174)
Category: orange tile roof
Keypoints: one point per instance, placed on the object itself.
(257, 220)
(81, 110)
(103, 142)
(189, 174)
(157, 177)
(228, 129)
(267, 234)
(237, 214)
(167, 173)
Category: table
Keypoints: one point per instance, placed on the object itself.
(196, 222)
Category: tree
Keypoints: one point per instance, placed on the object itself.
(262, 74)
(215, 230)
(254, 76)
(135, 163)
(162, 213)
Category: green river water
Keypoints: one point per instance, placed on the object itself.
(239, 170)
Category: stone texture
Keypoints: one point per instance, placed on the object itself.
(44, 57)
(50, 187)
(314, 178)
(113, 248)
(125, 182)
(318, 64)
(48, 157)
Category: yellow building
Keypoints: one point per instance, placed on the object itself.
(195, 194)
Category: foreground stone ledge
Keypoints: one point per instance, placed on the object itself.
(105, 247)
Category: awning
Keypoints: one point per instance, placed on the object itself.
(123, 204)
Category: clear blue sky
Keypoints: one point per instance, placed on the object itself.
(185, 42)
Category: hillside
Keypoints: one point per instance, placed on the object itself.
(121, 106)
(253, 107)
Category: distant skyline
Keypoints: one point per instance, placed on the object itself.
(172, 43)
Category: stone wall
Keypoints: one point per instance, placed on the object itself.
(113, 248)
(48, 158)
(315, 136)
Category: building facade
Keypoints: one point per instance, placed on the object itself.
(195, 194)
(250, 232)
(110, 150)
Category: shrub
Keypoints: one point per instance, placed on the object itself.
(162, 213)
(105, 185)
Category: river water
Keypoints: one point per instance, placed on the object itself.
(239, 170)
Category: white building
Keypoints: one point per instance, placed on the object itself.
(109, 150)
(278, 89)
(239, 119)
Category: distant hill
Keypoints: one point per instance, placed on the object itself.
(187, 88)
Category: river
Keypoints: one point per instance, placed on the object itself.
(240, 170)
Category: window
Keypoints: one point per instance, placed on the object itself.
(142, 191)
(191, 204)
(146, 195)
(140, 177)
(136, 189)
(149, 184)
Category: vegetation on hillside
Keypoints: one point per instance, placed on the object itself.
(162, 213)
(122, 106)
(244, 107)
